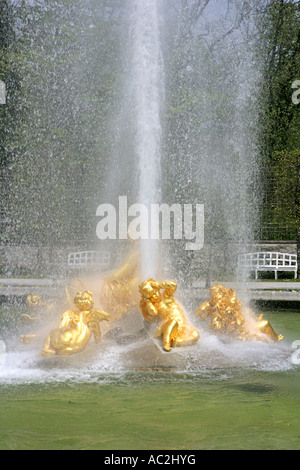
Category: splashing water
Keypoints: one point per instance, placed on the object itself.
(210, 357)
(146, 99)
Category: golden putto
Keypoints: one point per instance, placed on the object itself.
(76, 327)
(158, 303)
(227, 316)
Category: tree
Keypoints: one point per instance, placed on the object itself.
(279, 26)
(287, 192)
(69, 64)
(11, 114)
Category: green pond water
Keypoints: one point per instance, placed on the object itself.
(228, 396)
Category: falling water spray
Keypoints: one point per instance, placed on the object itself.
(147, 91)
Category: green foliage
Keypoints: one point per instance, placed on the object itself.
(10, 60)
(279, 28)
(287, 188)
(280, 51)
(66, 53)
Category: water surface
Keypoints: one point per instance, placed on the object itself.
(250, 401)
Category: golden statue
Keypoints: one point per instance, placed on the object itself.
(158, 302)
(76, 327)
(39, 308)
(119, 291)
(226, 316)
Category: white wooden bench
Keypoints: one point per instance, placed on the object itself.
(267, 261)
(89, 259)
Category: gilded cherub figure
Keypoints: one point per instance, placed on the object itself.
(158, 303)
(76, 327)
(227, 316)
(38, 309)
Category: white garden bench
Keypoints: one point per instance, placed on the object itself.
(89, 259)
(267, 261)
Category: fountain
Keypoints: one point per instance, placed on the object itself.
(129, 297)
(146, 103)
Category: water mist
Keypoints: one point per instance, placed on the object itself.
(147, 91)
